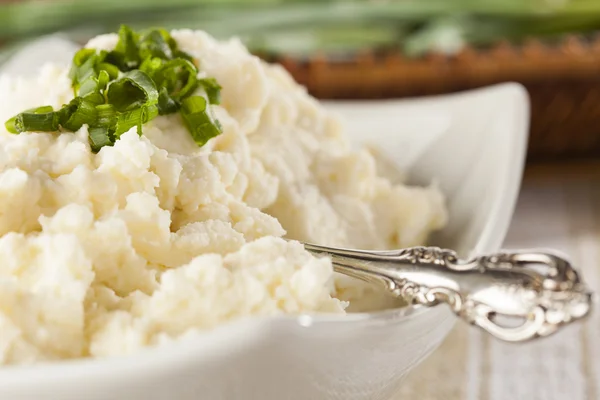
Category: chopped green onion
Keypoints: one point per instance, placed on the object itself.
(166, 104)
(106, 116)
(78, 112)
(212, 89)
(99, 137)
(127, 120)
(198, 119)
(144, 76)
(151, 66)
(85, 71)
(137, 117)
(133, 89)
(179, 76)
(126, 53)
(111, 70)
(78, 59)
(103, 79)
(155, 44)
(90, 85)
(82, 56)
(40, 110)
(149, 112)
(95, 98)
(10, 125)
(168, 38)
(185, 56)
(37, 122)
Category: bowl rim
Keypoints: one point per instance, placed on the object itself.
(201, 342)
(493, 234)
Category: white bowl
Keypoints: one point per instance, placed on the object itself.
(473, 144)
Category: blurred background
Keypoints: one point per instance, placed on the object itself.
(383, 48)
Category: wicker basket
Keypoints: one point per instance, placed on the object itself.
(563, 82)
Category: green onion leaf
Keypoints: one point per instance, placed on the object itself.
(199, 120)
(103, 79)
(149, 112)
(78, 59)
(155, 44)
(34, 122)
(151, 66)
(179, 76)
(137, 117)
(78, 112)
(184, 55)
(166, 104)
(106, 116)
(144, 76)
(131, 91)
(212, 89)
(127, 120)
(111, 70)
(84, 72)
(169, 39)
(90, 85)
(99, 137)
(95, 98)
(126, 50)
(11, 123)
(82, 56)
(40, 110)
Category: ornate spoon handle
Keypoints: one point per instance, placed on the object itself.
(514, 296)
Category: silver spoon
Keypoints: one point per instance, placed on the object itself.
(514, 296)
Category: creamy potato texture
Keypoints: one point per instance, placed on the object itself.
(156, 238)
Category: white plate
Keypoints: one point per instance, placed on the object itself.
(473, 144)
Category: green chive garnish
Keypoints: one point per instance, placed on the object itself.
(133, 90)
(144, 76)
(137, 117)
(10, 125)
(126, 52)
(166, 104)
(198, 119)
(78, 60)
(110, 69)
(106, 116)
(96, 98)
(34, 122)
(212, 88)
(40, 119)
(99, 137)
(78, 112)
(85, 71)
(155, 44)
(103, 79)
(89, 86)
(179, 76)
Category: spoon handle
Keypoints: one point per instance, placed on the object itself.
(514, 296)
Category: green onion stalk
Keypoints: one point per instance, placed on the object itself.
(146, 75)
(302, 27)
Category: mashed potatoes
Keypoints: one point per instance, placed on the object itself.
(104, 254)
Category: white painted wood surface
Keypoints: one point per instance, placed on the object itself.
(558, 210)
